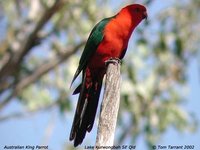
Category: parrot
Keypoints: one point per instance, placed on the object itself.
(107, 40)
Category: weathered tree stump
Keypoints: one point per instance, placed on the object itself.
(109, 106)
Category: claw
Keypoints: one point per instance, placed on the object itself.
(113, 60)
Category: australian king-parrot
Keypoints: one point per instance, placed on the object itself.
(108, 39)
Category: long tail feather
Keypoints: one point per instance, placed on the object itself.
(85, 110)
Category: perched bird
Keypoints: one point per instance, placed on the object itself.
(108, 39)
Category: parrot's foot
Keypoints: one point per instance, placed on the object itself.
(113, 60)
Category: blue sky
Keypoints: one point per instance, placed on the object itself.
(32, 130)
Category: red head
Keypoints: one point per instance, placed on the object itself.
(137, 12)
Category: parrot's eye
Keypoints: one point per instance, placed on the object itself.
(137, 10)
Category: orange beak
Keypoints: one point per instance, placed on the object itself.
(145, 16)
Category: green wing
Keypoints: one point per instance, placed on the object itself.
(95, 38)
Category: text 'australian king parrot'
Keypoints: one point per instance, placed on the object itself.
(108, 39)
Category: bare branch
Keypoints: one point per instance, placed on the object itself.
(11, 66)
(45, 68)
(109, 106)
(40, 71)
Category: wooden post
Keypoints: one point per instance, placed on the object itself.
(109, 106)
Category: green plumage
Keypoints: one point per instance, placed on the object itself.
(95, 38)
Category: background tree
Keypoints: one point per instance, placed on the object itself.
(39, 51)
